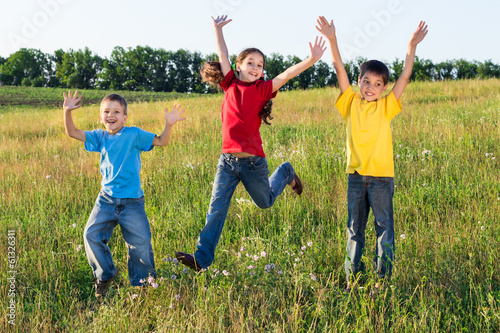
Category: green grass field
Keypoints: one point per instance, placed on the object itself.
(447, 206)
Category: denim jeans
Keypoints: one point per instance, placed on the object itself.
(253, 173)
(130, 215)
(364, 192)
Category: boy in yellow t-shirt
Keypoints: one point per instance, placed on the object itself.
(369, 151)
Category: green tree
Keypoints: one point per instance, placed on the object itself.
(445, 70)
(465, 69)
(488, 69)
(30, 64)
(78, 69)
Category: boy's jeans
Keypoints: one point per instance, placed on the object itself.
(130, 215)
(364, 192)
(253, 173)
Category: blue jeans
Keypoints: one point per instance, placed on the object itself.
(364, 192)
(253, 173)
(130, 215)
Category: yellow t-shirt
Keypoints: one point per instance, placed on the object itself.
(369, 141)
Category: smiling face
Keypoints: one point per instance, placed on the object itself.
(371, 86)
(250, 69)
(113, 116)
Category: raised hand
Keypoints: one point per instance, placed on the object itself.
(325, 28)
(419, 34)
(317, 49)
(174, 116)
(70, 102)
(220, 21)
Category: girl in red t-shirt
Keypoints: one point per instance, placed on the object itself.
(247, 102)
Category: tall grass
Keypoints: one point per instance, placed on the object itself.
(446, 276)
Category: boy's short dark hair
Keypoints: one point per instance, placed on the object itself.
(376, 67)
(116, 98)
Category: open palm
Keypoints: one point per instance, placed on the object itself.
(220, 21)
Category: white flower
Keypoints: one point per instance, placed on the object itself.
(263, 254)
(403, 236)
(483, 227)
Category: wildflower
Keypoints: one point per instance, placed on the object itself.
(142, 281)
(403, 236)
(301, 253)
(162, 279)
(309, 244)
(398, 156)
(154, 285)
(226, 273)
(242, 249)
(251, 267)
(171, 306)
(483, 227)
(185, 270)
(303, 248)
(151, 280)
(256, 257)
(79, 248)
(48, 176)
(263, 254)
(312, 276)
(280, 272)
(177, 297)
(297, 259)
(134, 296)
(238, 254)
(174, 277)
(175, 261)
(268, 268)
(73, 225)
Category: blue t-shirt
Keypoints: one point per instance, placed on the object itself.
(120, 159)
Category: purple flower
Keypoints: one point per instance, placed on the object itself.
(242, 249)
(154, 285)
(151, 280)
(303, 248)
(312, 276)
(174, 277)
(177, 297)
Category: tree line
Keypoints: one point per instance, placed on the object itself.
(146, 69)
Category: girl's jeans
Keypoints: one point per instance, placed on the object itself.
(364, 192)
(130, 215)
(253, 173)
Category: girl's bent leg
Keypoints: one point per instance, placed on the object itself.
(96, 236)
(263, 190)
(137, 235)
(225, 183)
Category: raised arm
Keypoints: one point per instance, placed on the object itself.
(316, 52)
(416, 38)
(170, 119)
(222, 52)
(70, 104)
(328, 30)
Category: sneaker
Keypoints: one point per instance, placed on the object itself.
(188, 260)
(101, 287)
(297, 188)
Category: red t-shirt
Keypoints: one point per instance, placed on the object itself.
(242, 104)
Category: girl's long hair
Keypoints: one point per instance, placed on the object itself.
(211, 72)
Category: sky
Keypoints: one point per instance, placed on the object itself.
(370, 29)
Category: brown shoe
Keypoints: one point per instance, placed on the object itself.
(297, 188)
(101, 287)
(188, 260)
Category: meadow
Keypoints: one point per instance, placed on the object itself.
(276, 270)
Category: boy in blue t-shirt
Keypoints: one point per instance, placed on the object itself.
(121, 199)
